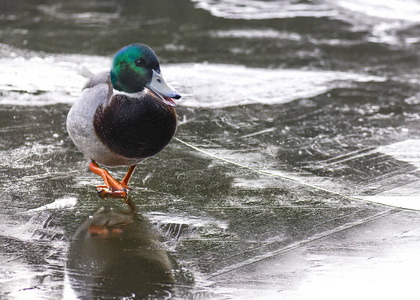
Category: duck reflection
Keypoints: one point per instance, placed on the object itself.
(117, 253)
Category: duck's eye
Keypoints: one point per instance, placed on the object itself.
(139, 62)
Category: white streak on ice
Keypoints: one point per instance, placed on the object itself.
(406, 196)
(31, 78)
(35, 79)
(381, 18)
(191, 221)
(213, 85)
(61, 203)
(255, 10)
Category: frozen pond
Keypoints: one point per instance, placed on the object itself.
(294, 174)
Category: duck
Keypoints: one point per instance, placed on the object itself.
(123, 116)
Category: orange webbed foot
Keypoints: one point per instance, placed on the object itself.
(112, 187)
(104, 191)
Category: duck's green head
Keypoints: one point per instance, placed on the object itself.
(135, 67)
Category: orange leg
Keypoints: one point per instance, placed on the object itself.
(112, 187)
(127, 177)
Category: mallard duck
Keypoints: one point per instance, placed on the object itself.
(123, 116)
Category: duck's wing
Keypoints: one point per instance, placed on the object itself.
(97, 79)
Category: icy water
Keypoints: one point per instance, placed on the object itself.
(294, 173)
